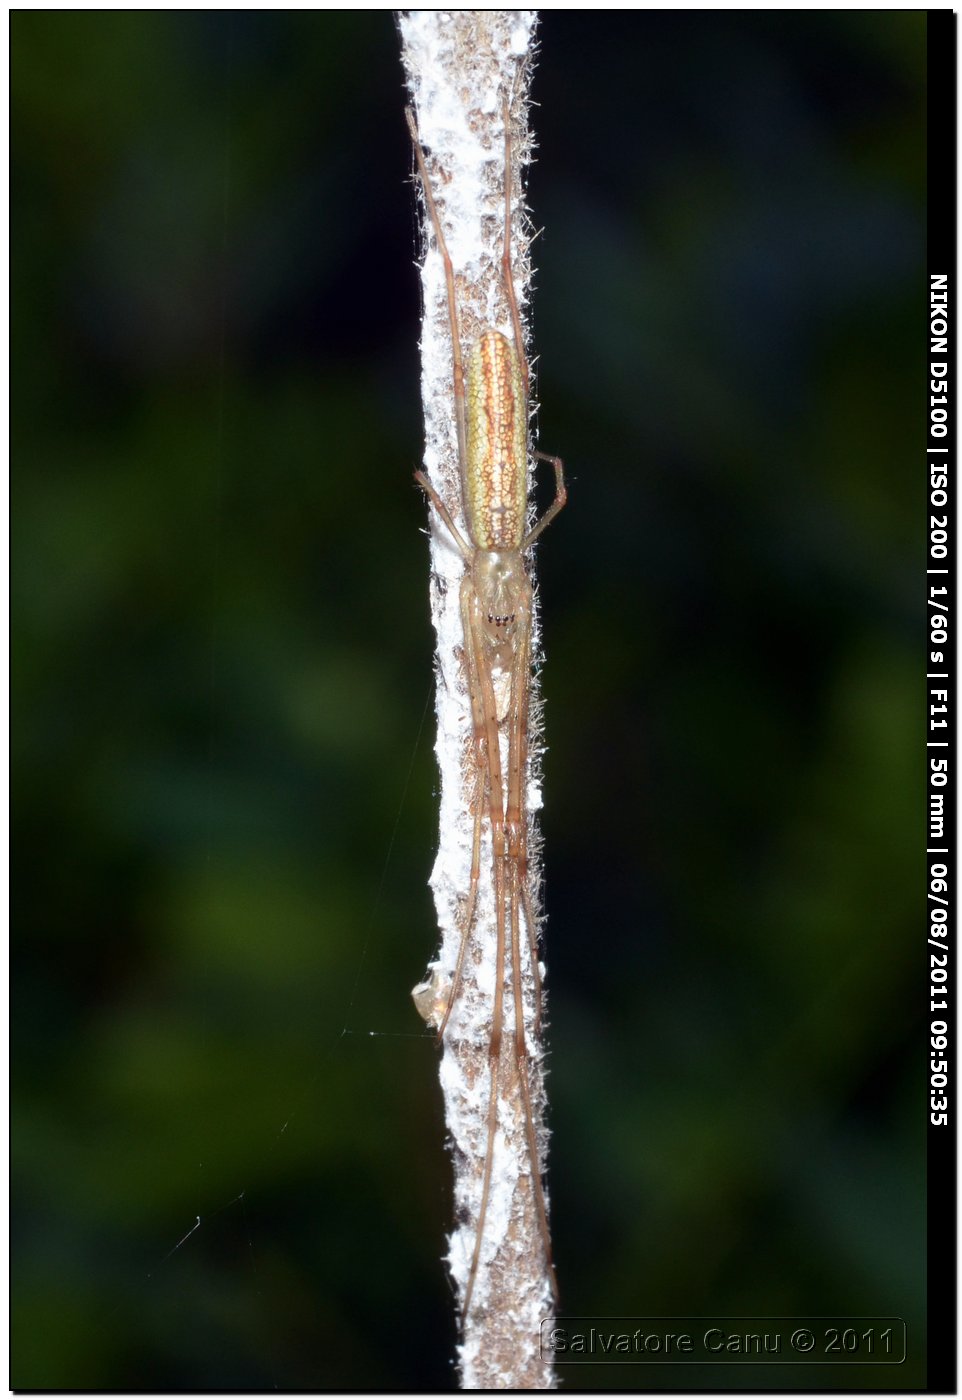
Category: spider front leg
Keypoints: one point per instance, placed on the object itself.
(484, 711)
(517, 807)
(484, 742)
(516, 859)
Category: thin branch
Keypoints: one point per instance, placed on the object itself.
(461, 66)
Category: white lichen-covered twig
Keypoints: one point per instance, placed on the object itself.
(461, 67)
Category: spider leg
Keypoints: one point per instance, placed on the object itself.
(445, 515)
(507, 273)
(516, 860)
(449, 283)
(559, 502)
(521, 1056)
(483, 699)
(481, 742)
(532, 927)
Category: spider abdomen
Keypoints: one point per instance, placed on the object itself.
(496, 486)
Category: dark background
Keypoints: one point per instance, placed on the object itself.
(223, 774)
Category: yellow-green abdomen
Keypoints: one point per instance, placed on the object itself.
(495, 489)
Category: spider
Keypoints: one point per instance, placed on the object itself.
(496, 601)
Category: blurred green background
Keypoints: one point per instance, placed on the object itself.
(228, 1162)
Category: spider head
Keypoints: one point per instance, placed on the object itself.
(502, 588)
